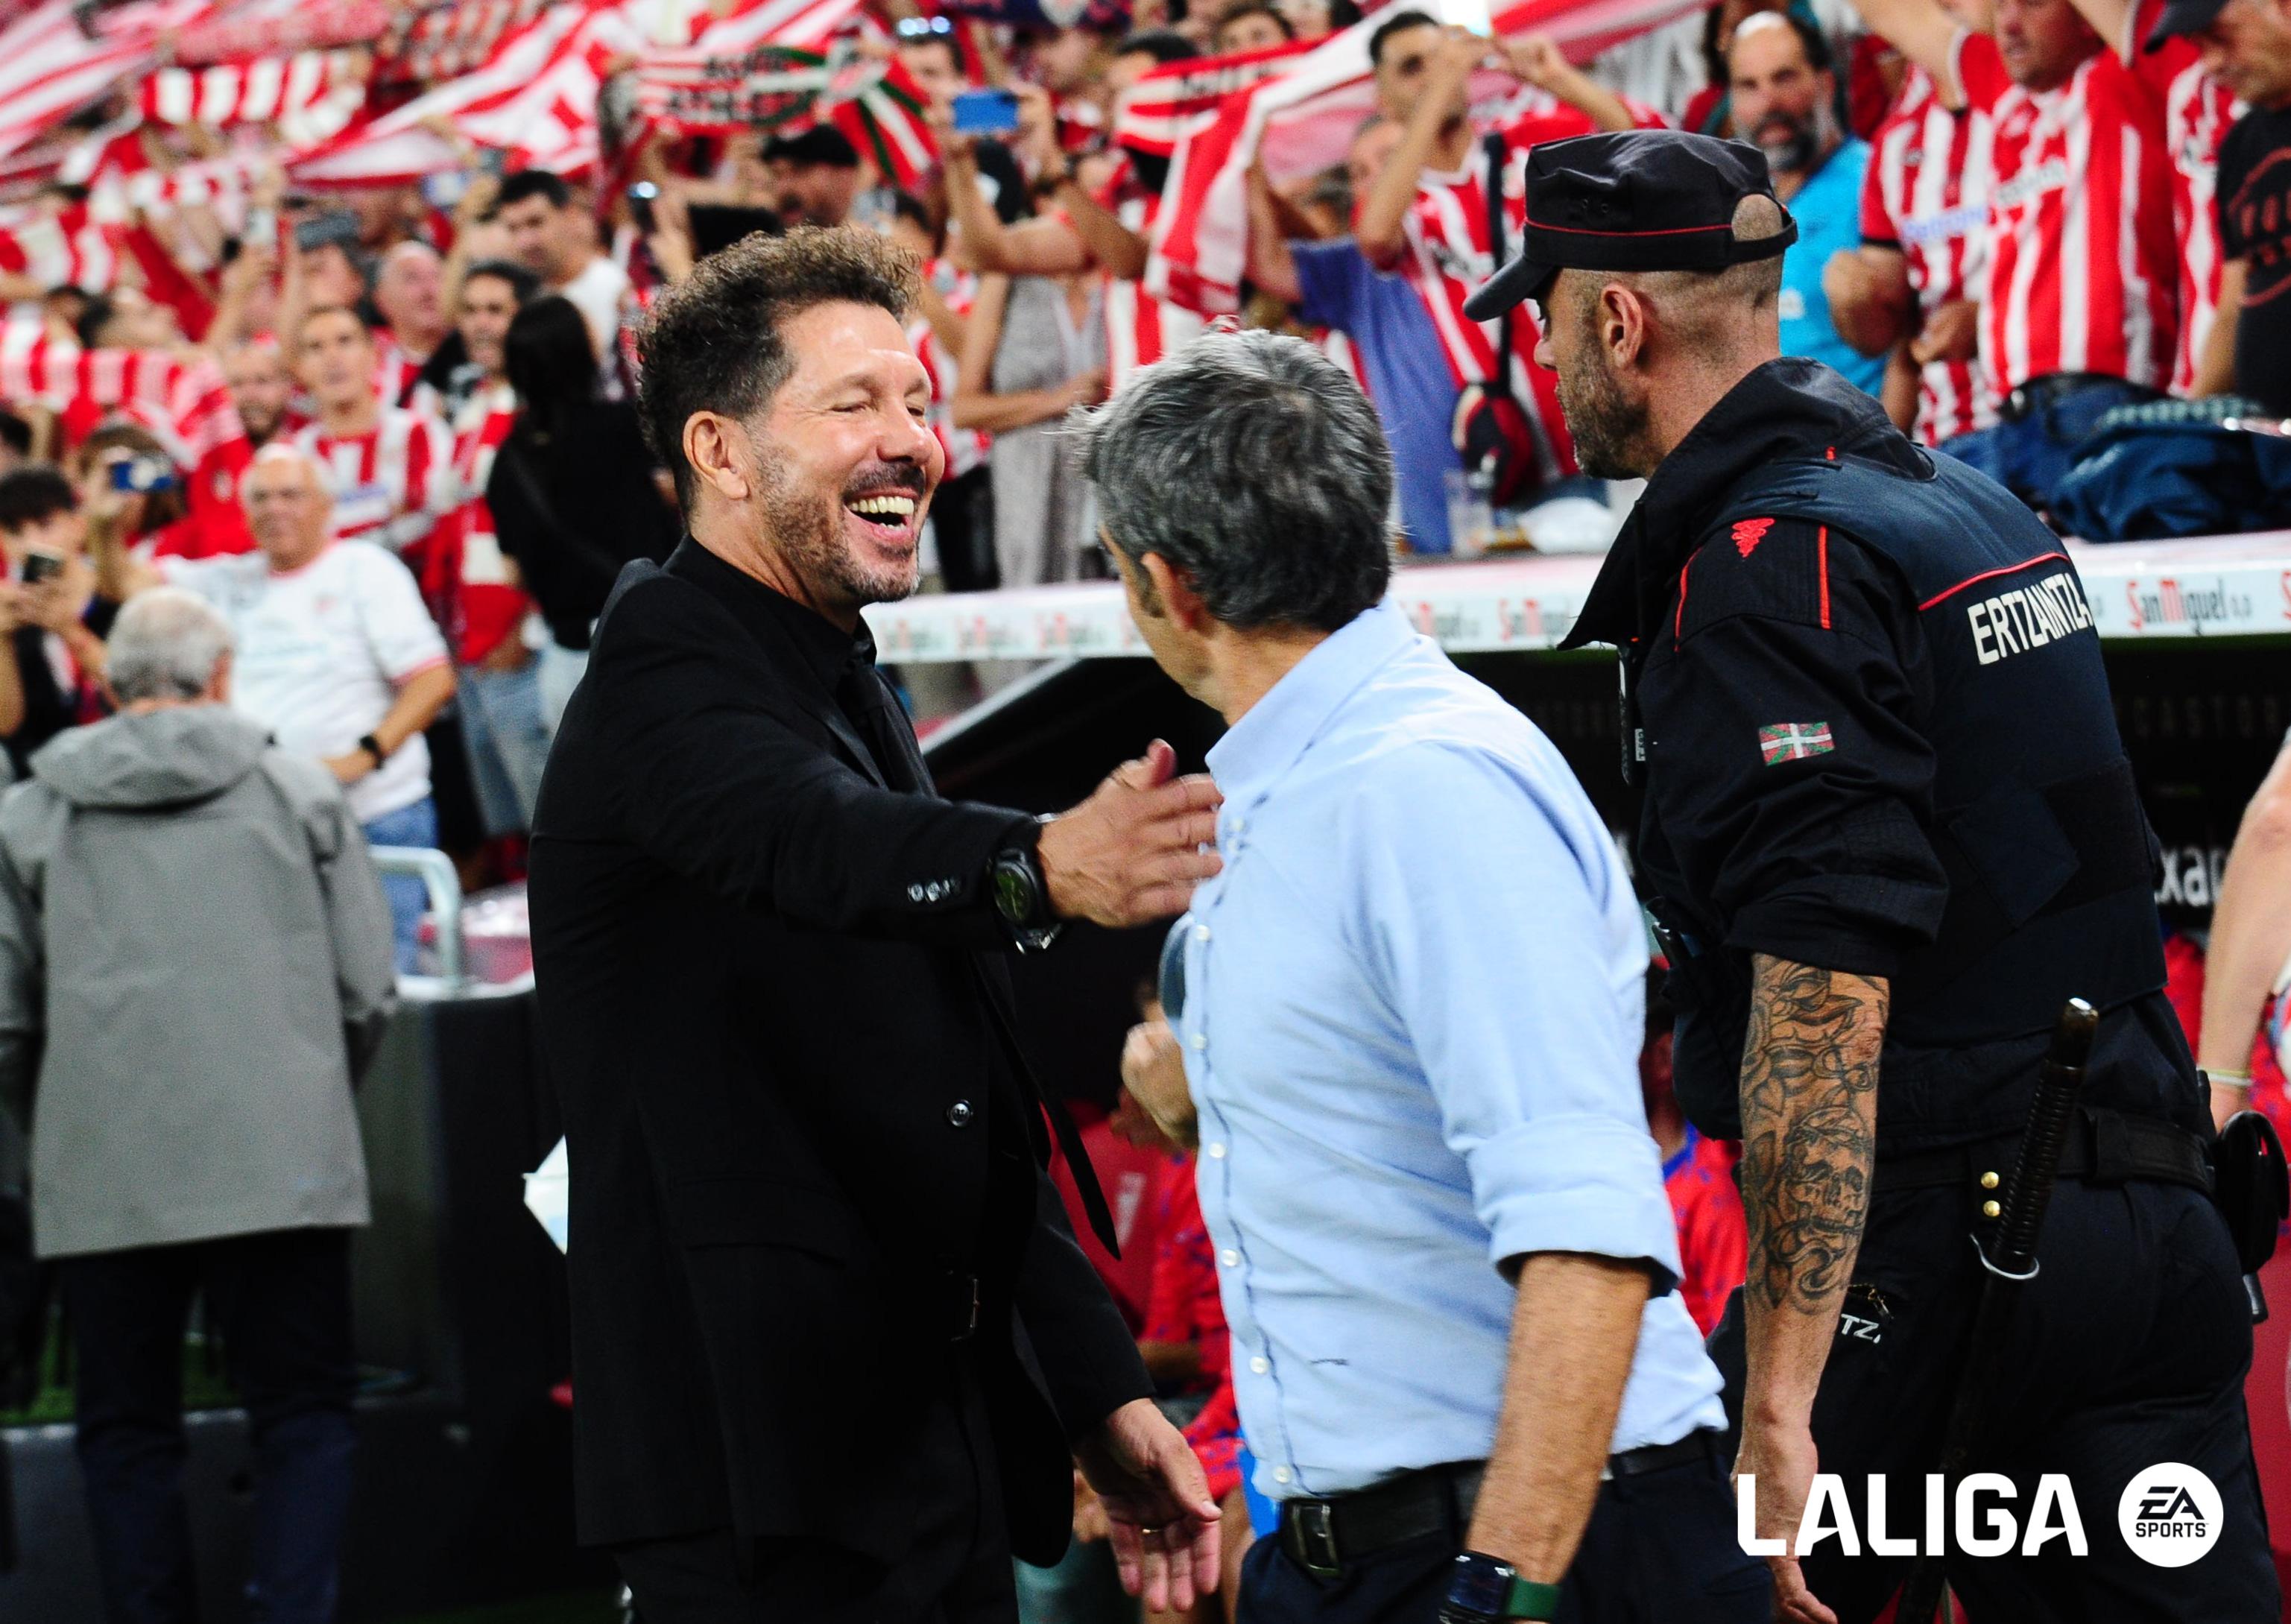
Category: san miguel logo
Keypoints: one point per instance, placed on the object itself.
(2197, 605)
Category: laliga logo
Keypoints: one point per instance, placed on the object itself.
(2169, 1515)
(1982, 1525)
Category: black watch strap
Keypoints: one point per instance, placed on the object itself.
(372, 747)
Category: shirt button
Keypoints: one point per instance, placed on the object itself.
(1201, 1040)
(1229, 1257)
(1201, 933)
(958, 1115)
(1236, 825)
(1217, 1151)
(1259, 1365)
(1282, 1473)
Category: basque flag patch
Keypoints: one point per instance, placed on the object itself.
(1794, 742)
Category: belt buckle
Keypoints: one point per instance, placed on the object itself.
(1316, 1540)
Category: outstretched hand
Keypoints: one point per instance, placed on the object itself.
(1132, 852)
(1162, 1524)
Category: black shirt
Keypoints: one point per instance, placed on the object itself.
(2254, 219)
(574, 508)
(1779, 642)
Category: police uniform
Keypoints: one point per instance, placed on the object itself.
(1865, 692)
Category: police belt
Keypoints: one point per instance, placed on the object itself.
(2103, 1146)
(1323, 1536)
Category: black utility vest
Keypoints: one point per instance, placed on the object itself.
(2036, 821)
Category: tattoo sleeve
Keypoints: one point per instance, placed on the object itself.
(1809, 1099)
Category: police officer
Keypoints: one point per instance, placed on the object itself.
(1888, 829)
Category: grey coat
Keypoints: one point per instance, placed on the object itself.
(193, 947)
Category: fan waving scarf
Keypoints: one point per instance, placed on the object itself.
(771, 86)
(1301, 120)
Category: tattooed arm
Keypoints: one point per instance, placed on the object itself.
(1809, 1096)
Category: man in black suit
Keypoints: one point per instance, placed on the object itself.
(835, 1345)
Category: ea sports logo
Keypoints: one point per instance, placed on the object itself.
(2169, 1515)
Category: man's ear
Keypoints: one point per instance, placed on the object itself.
(719, 450)
(1174, 589)
(1622, 320)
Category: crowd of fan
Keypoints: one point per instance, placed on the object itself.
(2021, 227)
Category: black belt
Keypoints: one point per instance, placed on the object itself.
(1323, 1536)
(2103, 1147)
(2038, 393)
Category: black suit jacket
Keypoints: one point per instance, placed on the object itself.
(764, 982)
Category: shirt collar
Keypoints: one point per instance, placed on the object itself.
(826, 649)
(1259, 749)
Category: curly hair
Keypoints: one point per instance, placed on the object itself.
(714, 342)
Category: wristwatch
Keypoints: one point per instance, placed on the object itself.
(372, 747)
(1022, 896)
(1484, 1590)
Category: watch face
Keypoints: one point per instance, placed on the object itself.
(1014, 891)
(1482, 1586)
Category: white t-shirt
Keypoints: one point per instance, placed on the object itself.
(596, 293)
(321, 651)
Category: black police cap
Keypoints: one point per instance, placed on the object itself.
(1638, 200)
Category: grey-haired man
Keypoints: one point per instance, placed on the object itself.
(1410, 1019)
(195, 964)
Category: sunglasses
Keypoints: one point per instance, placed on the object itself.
(924, 27)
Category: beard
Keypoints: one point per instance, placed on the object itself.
(1609, 428)
(1791, 143)
(806, 528)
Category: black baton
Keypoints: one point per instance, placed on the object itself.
(2008, 1263)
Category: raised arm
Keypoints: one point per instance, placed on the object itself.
(1921, 31)
(1271, 265)
(1381, 225)
(1042, 247)
(2112, 20)
(1536, 60)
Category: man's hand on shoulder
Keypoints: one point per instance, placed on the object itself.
(1134, 850)
(1164, 1525)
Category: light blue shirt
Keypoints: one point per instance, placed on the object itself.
(1414, 1003)
(1828, 209)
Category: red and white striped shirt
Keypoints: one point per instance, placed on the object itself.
(965, 448)
(394, 371)
(1140, 328)
(1926, 193)
(392, 484)
(488, 603)
(1448, 256)
(2198, 111)
(2083, 267)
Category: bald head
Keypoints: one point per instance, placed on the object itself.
(289, 505)
(410, 292)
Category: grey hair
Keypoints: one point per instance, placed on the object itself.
(1257, 470)
(165, 645)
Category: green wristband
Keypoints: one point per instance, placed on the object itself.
(1529, 1600)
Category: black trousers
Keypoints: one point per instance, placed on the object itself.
(283, 1302)
(2127, 1350)
(1659, 1549)
(956, 1571)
